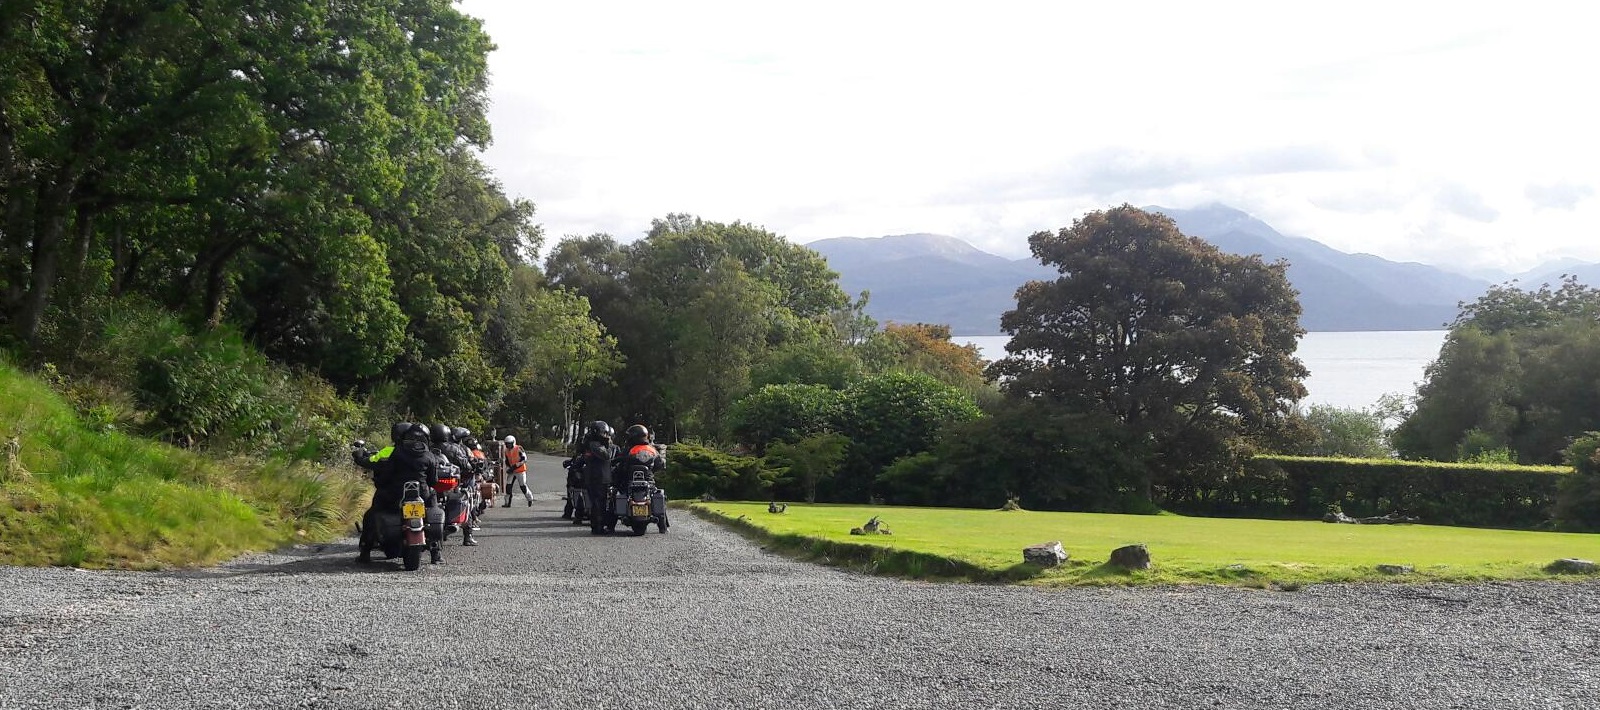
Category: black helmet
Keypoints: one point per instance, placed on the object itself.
(398, 432)
(469, 441)
(439, 433)
(459, 434)
(417, 432)
(637, 434)
(600, 431)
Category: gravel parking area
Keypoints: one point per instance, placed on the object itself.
(544, 615)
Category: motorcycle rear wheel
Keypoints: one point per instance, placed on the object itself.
(639, 528)
(413, 557)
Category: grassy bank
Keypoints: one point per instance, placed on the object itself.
(986, 545)
(77, 495)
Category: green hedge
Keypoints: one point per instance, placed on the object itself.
(1481, 495)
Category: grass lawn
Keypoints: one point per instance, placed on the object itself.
(987, 544)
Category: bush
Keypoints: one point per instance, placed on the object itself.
(1578, 500)
(1051, 460)
(788, 412)
(891, 416)
(1483, 495)
(805, 465)
(126, 364)
(1345, 431)
(694, 469)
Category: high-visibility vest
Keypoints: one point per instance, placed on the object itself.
(642, 448)
(516, 461)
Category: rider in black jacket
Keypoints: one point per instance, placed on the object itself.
(408, 460)
(638, 453)
(457, 455)
(595, 454)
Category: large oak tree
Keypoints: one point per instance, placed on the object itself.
(1190, 348)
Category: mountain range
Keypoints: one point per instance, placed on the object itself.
(931, 278)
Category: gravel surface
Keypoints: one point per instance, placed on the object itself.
(543, 615)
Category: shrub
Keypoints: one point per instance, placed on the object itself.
(1485, 495)
(129, 365)
(1578, 500)
(804, 465)
(694, 469)
(787, 412)
(890, 416)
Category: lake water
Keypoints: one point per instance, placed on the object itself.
(1347, 369)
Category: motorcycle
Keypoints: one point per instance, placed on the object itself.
(577, 497)
(400, 531)
(454, 499)
(641, 504)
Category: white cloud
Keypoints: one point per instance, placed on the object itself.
(1391, 128)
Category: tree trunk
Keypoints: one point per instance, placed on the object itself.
(215, 286)
(49, 225)
(80, 252)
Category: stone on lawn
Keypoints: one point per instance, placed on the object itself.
(1572, 566)
(1045, 554)
(1130, 557)
(1395, 569)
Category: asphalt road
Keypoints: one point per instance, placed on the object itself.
(544, 615)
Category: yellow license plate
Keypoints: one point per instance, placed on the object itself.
(413, 510)
(641, 511)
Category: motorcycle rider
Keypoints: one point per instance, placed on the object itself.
(516, 461)
(596, 454)
(455, 453)
(409, 459)
(382, 469)
(480, 474)
(640, 453)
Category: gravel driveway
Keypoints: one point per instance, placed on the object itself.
(543, 615)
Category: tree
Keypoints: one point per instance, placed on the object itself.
(1519, 370)
(784, 413)
(805, 464)
(926, 348)
(187, 147)
(1345, 431)
(1185, 345)
(698, 309)
(891, 416)
(550, 347)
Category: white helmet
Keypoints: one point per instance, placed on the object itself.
(511, 441)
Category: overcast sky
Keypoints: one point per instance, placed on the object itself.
(1447, 133)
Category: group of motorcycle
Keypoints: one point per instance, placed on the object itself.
(608, 486)
(432, 482)
(435, 481)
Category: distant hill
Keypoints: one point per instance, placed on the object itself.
(1338, 290)
(932, 278)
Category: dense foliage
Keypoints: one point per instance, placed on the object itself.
(1484, 495)
(1519, 370)
(1346, 432)
(294, 178)
(1190, 349)
(1578, 501)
